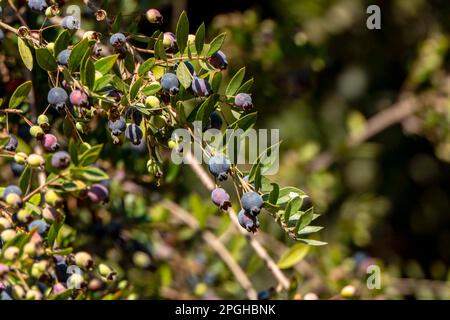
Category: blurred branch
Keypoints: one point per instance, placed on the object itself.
(216, 245)
(257, 247)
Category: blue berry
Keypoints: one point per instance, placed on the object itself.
(118, 126)
(37, 5)
(134, 134)
(11, 189)
(219, 60)
(219, 166)
(221, 198)
(247, 221)
(117, 40)
(252, 202)
(201, 87)
(71, 23)
(40, 225)
(60, 160)
(243, 101)
(16, 168)
(63, 57)
(170, 83)
(135, 115)
(12, 143)
(57, 97)
(214, 121)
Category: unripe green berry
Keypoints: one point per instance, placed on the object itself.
(152, 102)
(39, 268)
(11, 253)
(14, 200)
(84, 260)
(106, 271)
(158, 121)
(52, 198)
(18, 292)
(20, 158)
(35, 160)
(348, 291)
(141, 259)
(8, 234)
(37, 132)
(4, 224)
(42, 119)
(172, 144)
(30, 249)
(33, 294)
(24, 215)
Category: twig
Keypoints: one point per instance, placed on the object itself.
(216, 245)
(257, 247)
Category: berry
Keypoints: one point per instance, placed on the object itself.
(40, 225)
(16, 168)
(169, 83)
(169, 40)
(61, 160)
(154, 16)
(84, 260)
(20, 158)
(135, 115)
(243, 101)
(191, 39)
(4, 224)
(50, 214)
(134, 134)
(57, 97)
(8, 234)
(50, 143)
(14, 200)
(63, 57)
(201, 87)
(219, 166)
(12, 143)
(221, 198)
(52, 11)
(152, 102)
(52, 198)
(98, 193)
(37, 5)
(118, 126)
(252, 202)
(75, 281)
(78, 98)
(214, 121)
(37, 132)
(58, 288)
(11, 253)
(117, 40)
(188, 65)
(106, 271)
(248, 222)
(71, 23)
(11, 189)
(35, 160)
(348, 292)
(30, 249)
(219, 60)
(42, 120)
(24, 215)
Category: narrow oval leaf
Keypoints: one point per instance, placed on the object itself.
(25, 54)
(24, 179)
(146, 66)
(151, 89)
(77, 54)
(88, 73)
(294, 255)
(45, 59)
(216, 44)
(200, 38)
(61, 42)
(235, 82)
(182, 32)
(105, 64)
(184, 75)
(134, 90)
(20, 94)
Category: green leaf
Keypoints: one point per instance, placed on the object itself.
(25, 179)
(151, 89)
(216, 81)
(305, 219)
(313, 242)
(102, 82)
(25, 54)
(62, 252)
(288, 193)
(200, 38)
(216, 44)
(184, 75)
(293, 256)
(146, 66)
(245, 122)
(53, 232)
(246, 86)
(292, 207)
(36, 199)
(273, 196)
(117, 22)
(87, 73)
(206, 108)
(235, 82)
(62, 295)
(309, 230)
(45, 59)
(61, 42)
(91, 155)
(20, 94)
(159, 49)
(77, 54)
(73, 151)
(182, 32)
(135, 87)
(105, 64)
(90, 173)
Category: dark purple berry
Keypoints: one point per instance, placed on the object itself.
(221, 198)
(60, 160)
(134, 134)
(71, 23)
(252, 202)
(248, 222)
(214, 121)
(117, 127)
(135, 115)
(170, 83)
(219, 60)
(98, 193)
(117, 40)
(243, 101)
(57, 97)
(201, 87)
(50, 143)
(63, 57)
(219, 166)
(12, 143)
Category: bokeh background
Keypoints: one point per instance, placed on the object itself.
(364, 117)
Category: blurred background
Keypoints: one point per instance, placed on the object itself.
(364, 117)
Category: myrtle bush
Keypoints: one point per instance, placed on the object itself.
(116, 87)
